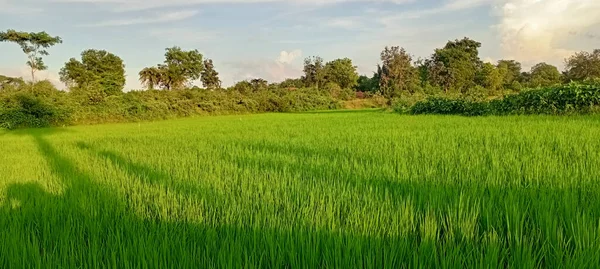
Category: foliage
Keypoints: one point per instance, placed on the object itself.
(489, 77)
(396, 73)
(366, 84)
(6, 82)
(41, 108)
(314, 72)
(209, 76)
(564, 99)
(96, 68)
(342, 189)
(510, 71)
(341, 72)
(543, 75)
(583, 66)
(35, 45)
(179, 70)
(454, 67)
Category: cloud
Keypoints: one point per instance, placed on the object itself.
(287, 57)
(533, 31)
(447, 7)
(127, 5)
(350, 23)
(17, 8)
(160, 18)
(183, 35)
(272, 70)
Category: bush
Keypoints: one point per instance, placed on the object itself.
(27, 110)
(564, 99)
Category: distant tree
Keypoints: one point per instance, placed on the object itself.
(259, 84)
(292, 83)
(341, 72)
(489, 77)
(543, 75)
(179, 70)
(454, 67)
(97, 67)
(366, 84)
(150, 77)
(209, 76)
(583, 66)
(396, 72)
(10, 81)
(314, 75)
(32, 44)
(510, 71)
(243, 87)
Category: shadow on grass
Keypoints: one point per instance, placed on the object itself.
(92, 225)
(148, 175)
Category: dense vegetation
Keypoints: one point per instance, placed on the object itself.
(454, 76)
(353, 190)
(562, 99)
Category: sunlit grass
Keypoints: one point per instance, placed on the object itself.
(353, 189)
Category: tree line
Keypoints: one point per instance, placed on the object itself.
(455, 68)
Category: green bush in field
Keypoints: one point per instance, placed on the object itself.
(89, 104)
(564, 99)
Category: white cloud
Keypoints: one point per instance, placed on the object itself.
(350, 23)
(125, 5)
(533, 31)
(448, 6)
(17, 8)
(272, 70)
(160, 18)
(288, 57)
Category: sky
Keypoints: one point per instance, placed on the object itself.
(270, 38)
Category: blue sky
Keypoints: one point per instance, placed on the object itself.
(269, 38)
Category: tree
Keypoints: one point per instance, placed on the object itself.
(543, 75)
(10, 81)
(35, 45)
(150, 77)
(292, 83)
(510, 71)
(366, 84)
(341, 72)
(314, 75)
(396, 73)
(259, 84)
(489, 77)
(97, 67)
(583, 66)
(180, 69)
(454, 67)
(209, 76)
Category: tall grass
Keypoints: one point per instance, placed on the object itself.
(341, 190)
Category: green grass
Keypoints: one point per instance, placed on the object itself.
(336, 190)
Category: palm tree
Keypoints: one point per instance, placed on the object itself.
(151, 77)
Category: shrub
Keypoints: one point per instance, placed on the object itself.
(27, 110)
(564, 99)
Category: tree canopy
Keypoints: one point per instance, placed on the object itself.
(34, 45)
(341, 72)
(97, 67)
(583, 66)
(209, 76)
(543, 75)
(179, 70)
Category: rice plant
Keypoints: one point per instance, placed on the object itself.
(335, 190)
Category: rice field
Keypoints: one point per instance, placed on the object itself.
(359, 189)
